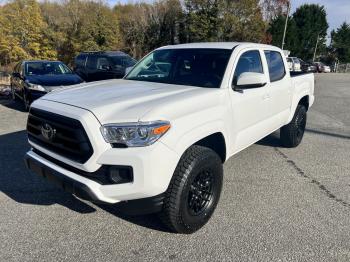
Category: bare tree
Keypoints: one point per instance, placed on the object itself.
(273, 8)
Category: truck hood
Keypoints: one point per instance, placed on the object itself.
(120, 100)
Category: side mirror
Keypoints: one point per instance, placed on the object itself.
(128, 69)
(249, 80)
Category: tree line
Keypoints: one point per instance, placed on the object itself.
(307, 27)
(30, 29)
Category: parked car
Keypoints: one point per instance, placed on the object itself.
(322, 68)
(94, 66)
(32, 79)
(307, 67)
(294, 64)
(327, 69)
(157, 139)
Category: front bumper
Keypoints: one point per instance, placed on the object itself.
(68, 184)
(152, 171)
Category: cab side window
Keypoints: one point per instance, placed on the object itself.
(275, 65)
(249, 61)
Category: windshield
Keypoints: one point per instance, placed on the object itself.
(193, 67)
(46, 68)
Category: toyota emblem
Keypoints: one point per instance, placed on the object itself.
(48, 132)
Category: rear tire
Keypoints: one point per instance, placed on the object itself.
(292, 134)
(194, 190)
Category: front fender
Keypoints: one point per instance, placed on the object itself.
(190, 136)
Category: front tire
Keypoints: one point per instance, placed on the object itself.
(292, 134)
(194, 190)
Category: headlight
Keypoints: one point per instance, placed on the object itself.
(36, 87)
(135, 134)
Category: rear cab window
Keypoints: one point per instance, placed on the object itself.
(275, 65)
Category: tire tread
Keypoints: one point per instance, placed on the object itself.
(169, 214)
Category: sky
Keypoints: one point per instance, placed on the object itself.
(338, 11)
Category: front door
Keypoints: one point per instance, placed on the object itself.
(249, 106)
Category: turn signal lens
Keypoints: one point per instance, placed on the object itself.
(161, 130)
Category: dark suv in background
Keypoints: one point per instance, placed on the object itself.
(94, 66)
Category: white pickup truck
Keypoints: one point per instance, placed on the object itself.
(156, 140)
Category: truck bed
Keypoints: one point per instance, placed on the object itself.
(294, 74)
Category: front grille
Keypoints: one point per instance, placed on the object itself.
(70, 139)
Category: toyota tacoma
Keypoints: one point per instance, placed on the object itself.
(156, 140)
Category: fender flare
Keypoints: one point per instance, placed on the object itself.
(200, 132)
(295, 103)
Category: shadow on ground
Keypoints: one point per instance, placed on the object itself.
(272, 140)
(9, 103)
(23, 186)
(326, 133)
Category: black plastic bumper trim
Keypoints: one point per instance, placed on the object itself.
(132, 207)
(68, 184)
(142, 206)
(99, 176)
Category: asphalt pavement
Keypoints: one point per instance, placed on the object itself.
(277, 204)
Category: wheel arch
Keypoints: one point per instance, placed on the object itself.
(304, 100)
(215, 142)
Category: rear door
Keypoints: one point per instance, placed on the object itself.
(249, 106)
(279, 89)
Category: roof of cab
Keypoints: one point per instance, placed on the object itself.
(218, 45)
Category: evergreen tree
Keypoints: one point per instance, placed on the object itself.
(276, 30)
(311, 23)
(341, 42)
(202, 19)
